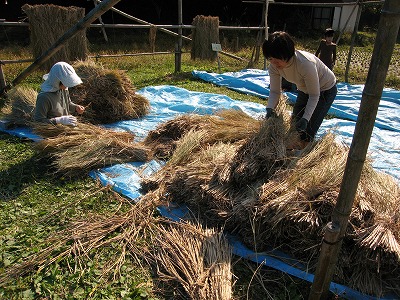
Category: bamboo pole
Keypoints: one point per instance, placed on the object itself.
(388, 29)
(81, 25)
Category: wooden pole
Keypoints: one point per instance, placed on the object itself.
(146, 23)
(3, 83)
(81, 25)
(260, 40)
(178, 52)
(385, 41)
(103, 30)
(353, 39)
(266, 28)
(169, 31)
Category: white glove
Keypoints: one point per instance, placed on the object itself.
(66, 120)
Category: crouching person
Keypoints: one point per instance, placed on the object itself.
(315, 82)
(53, 103)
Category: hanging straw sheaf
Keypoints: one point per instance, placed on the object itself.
(20, 110)
(47, 24)
(78, 150)
(205, 32)
(199, 259)
(108, 95)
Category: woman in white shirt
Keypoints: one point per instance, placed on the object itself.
(315, 82)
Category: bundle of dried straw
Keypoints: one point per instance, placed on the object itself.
(198, 258)
(77, 150)
(286, 205)
(108, 95)
(47, 24)
(21, 107)
(205, 32)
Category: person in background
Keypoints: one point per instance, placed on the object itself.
(327, 49)
(53, 103)
(316, 84)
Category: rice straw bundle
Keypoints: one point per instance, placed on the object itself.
(152, 38)
(230, 125)
(205, 32)
(47, 24)
(198, 258)
(187, 174)
(108, 95)
(169, 175)
(163, 139)
(86, 147)
(22, 102)
(225, 126)
(262, 154)
(191, 183)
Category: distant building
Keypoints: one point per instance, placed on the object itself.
(339, 14)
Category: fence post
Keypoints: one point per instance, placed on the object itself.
(178, 49)
(3, 83)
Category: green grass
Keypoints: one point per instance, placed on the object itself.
(35, 204)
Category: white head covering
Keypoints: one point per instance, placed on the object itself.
(60, 72)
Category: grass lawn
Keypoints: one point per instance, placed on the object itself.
(36, 206)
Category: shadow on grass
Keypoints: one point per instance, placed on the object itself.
(18, 175)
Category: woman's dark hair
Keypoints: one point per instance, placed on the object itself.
(279, 45)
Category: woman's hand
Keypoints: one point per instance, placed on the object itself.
(80, 109)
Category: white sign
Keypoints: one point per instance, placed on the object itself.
(216, 47)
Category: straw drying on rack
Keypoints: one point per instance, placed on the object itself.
(47, 23)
